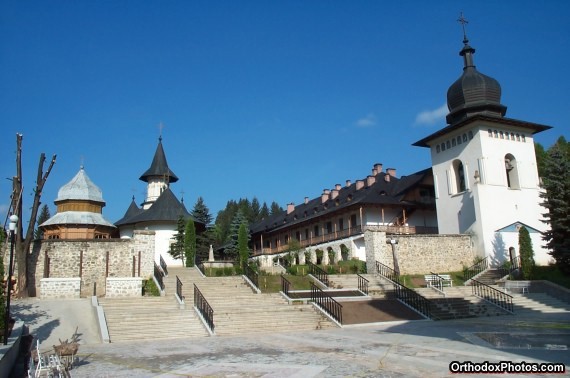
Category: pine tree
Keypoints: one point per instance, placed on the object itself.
(201, 212)
(207, 237)
(556, 183)
(255, 210)
(177, 247)
(44, 216)
(190, 243)
(243, 238)
(232, 248)
(275, 208)
(264, 212)
(526, 253)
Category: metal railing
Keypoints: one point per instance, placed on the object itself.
(320, 274)
(200, 265)
(510, 267)
(387, 272)
(204, 308)
(410, 297)
(490, 294)
(326, 303)
(362, 284)
(252, 275)
(163, 266)
(285, 285)
(158, 276)
(179, 289)
(475, 269)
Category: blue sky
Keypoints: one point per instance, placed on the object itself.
(274, 99)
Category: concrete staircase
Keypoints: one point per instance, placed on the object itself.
(239, 310)
(539, 304)
(489, 277)
(459, 303)
(378, 287)
(150, 318)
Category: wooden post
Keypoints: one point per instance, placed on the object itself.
(80, 263)
(139, 264)
(107, 264)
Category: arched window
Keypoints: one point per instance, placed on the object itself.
(511, 171)
(459, 175)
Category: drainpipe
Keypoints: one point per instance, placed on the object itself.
(394, 244)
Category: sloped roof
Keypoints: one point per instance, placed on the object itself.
(381, 192)
(80, 188)
(514, 227)
(159, 166)
(165, 208)
(77, 217)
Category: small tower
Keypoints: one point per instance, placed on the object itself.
(158, 177)
(484, 167)
(79, 212)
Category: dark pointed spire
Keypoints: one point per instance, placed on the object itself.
(159, 166)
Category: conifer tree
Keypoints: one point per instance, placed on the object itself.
(275, 208)
(232, 243)
(556, 182)
(177, 247)
(207, 237)
(190, 243)
(526, 253)
(201, 212)
(243, 238)
(44, 216)
(264, 212)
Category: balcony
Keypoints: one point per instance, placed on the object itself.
(338, 235)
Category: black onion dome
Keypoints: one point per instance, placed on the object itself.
(473, 93)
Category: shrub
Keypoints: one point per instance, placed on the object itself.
(150, 289)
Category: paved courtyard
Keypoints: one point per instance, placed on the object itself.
(399, 349)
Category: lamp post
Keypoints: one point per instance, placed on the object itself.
(13, 223)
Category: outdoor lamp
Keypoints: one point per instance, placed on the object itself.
(12, 228)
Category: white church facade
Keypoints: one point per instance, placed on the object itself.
(485, 171)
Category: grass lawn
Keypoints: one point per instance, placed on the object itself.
(272, 284)
(551, 273)
(417, 280)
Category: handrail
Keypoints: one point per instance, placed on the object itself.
(439, 279)
(413, 299)
(509, 267)
(475, 269)
(387, 272)
(179, 289)
(362, 284)
(252, 275)
(490, 294)
(163, 266)
(326, 303)
(285, 285)
(200, 265)
(320, 274)
(158, 276)
(204, 308)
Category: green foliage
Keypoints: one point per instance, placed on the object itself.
(44, 216)
(541, 157)
(275, 208)
(190, 243)
(556, 182)
(177, 247)
(526, 253)
(207, 237)
(232, 246)
(243, 236)
(553, 274)
(201, 212)
(150, 288)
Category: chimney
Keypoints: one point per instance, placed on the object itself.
(337, 186)
(306, 200)
(348, 183)
(325, 195)
(378, 167)
(391, 171)
(290, 208)
(359, 184)
(370, 180)
(334, 193)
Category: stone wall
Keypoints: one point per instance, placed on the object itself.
(123, 287)
(91, 260)
(419, 254)
(60, 288)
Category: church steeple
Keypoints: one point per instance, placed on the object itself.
(158, 176)
(473, 93)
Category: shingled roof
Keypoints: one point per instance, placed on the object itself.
(165, 208)
(159, 166)
(381, 189)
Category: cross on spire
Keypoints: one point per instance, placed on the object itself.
(160, 127)
(463, 21)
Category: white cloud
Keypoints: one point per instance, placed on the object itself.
(368, 121)
(431, 117)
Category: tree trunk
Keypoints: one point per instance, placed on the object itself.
(23, 244)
